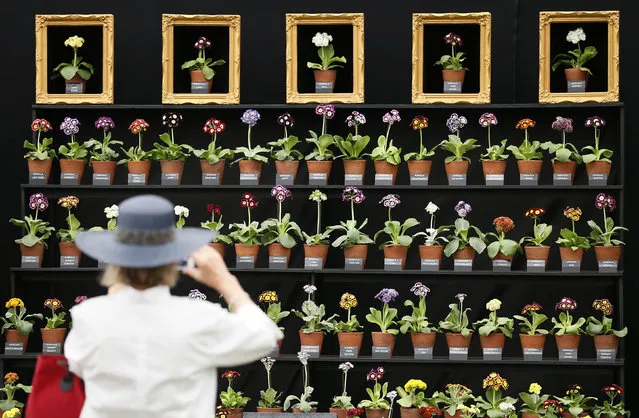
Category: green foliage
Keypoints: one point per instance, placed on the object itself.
(19, 320)
(56, 320)
(563, 152)
(304, 402)
(565, 326)
(246, 233)
(569, 238)
(212, 153)
(423, 153)
(74, 150)
(452, 62)
(496, 152)
(322, 151)
(269, 398)
(490, 405)
(351, 325)
(417, 321)
(317, 239)
(342, 402)
(576, 403)
(10, 389)
(68, 70)
(233, 399)
(453, 398)
(168, 150)
(413, 399)
(386, 151)
(456, 320)
(605, 237)
(377, 397)
(286, 151)
(313, 317)
(502, 245)
(352, 146)
(541, 233)
(610, 409)
(527, 151)
(253, 153)
(280, 231)
(40, 150)
(328, 59)
(102, 151)
(531, 326)
(603, 327)
(396, 232)
(275, 312)
(351, 234)
(457, 147)
(38, 231)
(203, 64)
(532, 403)
(495, 324)
(68, 235)
(461, 239)
(575, 58)
(217, 227)
(384, 319)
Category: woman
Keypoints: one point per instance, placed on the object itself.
(144, 353)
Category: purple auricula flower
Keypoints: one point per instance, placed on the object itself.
(37, 201)
(453, 38)
(487, 119)
(391, 117)
(202, 43)
(420, 289)
(80, 299)
(562, 124)
(327, 111)
(171, 119)
(286, 120)
(390, 200)
(595, 121)
(105, 123)
(250, 117)
(387, 295)
(70, 126)
(602, 201)
(353, 194)
(196, 294)
(463, 209)
(355, 119)
(566, 304)
(280, 193)
(456, 122)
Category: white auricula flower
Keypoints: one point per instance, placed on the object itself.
(181, 211)
(575, 36)
(303, 357)
(112, 211)
(322, 39)
(506, 407)
(309, 288)
(346, 366)
(431, 208)
(493, 305)
(391, 395)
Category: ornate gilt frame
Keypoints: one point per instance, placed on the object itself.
(483, 19)
(545, 20)
(354, 19)
(42, 22)
(169, 21)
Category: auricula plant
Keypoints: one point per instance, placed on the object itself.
(611, 408)
(563, 151)
(72, 150)
(377, 395)
(248, 232)
(269, 398)
(68, 235)
(419, 123)
(212, 154)
(533, 400)
(502, 245)
(201, 63)
(182, 212)
(284, 148)
(323, 142)
(432, 234)
(417, 322)
(496, 406)
(531, 319)
(457, 319)
(303, 402)
(273, 306)
(603, 327)
(455, 59)
(57, 319)
(347, 302)
(605, 236)
(494, 323)
(352, 234)
(41, 149)
(216, 225)
(38, 230)
(169, 150)
(385, 150)
(313, 314)
(384, 318)
(565, 325)
(320, 237)
(568, 237)
(352, 146)
(326, 53)
(250, 117)
(528, 150)
(454, 143)
(101, 150)
(461, 238)
(137, 127)
(230, 398)
(493, 152)
(596, 153)
(343, 401)
(541, 231)
(281, 229)
(68, 70)
(111, 213)
(396, 231)
(576, 58)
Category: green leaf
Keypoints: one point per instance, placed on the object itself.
(208, 73)
(69, 72)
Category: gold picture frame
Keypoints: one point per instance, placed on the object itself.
(293, 20)
(611, 17)
(42, 23)
(483, 19)
(169, 21)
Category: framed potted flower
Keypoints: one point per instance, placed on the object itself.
(349, 333)
(419, 165)
(495, 405)
(606, 339)
(493, 162)
(454, 399)
(303, 403)
(279, 233)
(453, 71)
(353, 240)
(54, 331)
(385, 155)
(102, 155)
(502, 249)
(137, 160)
(576, 403)
(273, 310)
(324, 72)
(201, 68)
(316, 246)
(170, 154)
(220, 241)
(412, 398)
(77, 72)
(342, 403)
(351, 149)
(212, 158)
(252, 159)
(233, 401)
(16, 324)
(494, 330)
(384, 339)
(457, 164)
(73, 155)
(576, 72)
(528, 156)
(567, 333)
(270, 398)
(566, 155)
(430, 253)
(32, 245)
(455, 327)
(376, 406)
(610, 409)
(607, 248)
(396, 247)
(320, 161)
(531, 336)
(247, 235)
(315, 326)
(572, 245)
(536, 251)
(69, 253)
(597, 161)
(284, 153)
(422, 332)
(461, 245)
(532, 402)
(39, 155)
(11, 386)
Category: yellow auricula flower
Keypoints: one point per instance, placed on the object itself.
(14, 302)
(415, 384)
(11, 413)
(535, 388)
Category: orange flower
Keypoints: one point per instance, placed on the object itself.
(525, 124)
(503, 224)
(11, 377)
(419, 122)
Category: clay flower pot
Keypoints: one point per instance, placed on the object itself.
(502, 256)
(567, 341)
(77, 80)
(357, 251)
(396, 251)
(234, 412)
(355, 167)
(220, 247)
(529, 166)
(316, 251)
(299, 411)
(456, 167)
(55, 335)
(493, 340)
(325, 76)
(455, 339)
(70, 249)
(278, 250)
(606, 342)
(466, 253)
(217, 168)
(287, 167)
(73, 166)
(40, 166)
(611, 253)
(534, 252)
(431, 252)
(242, 250)
(576, 74)
(409, 413)
(565, 167)
(319, 167)
(458, 414)
(423, 339)
(341, 413)
(376, 413)
(532, 341)
(139, 167)
(14, 336)
(454, 75)
(384, 167)
(104, 167)
(36, 250)
(350, 339)
(419, 167)
(493, 167)
(384, 339)
(173, 167)
(312, 338)
(598, 167)
(260, 409)
(567, 254)
(198, 77)
(582, 415)
(251, 166)
(528, 415)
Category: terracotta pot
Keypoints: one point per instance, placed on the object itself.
(247, 250)
(287, 167)
(172, 167)
(456, 167)
(466, 253)
(40, 166)
(37, 250)
(567, 253)
(355, 167)
(316, 251)
(384, 167)
(567, 341)
(260, 409)
(357, 251)
(350, 339)
(528, 415)
(299, 411)
(610, 342)
(105, 167)
(431, 252)
(217, 168)
(569, 415)
(534, 252)
(325, 76)
(234, 412)
(376, 413)
(565, 167)
(455, 339)
(493, 167)
(322, 167)
(409, 413)
(458, 414)
(73, 166)
(251, 166)
(529, 166)
(140, 167)
(55, 335)
(532, 341)
(384, 339)
(198, 77)
(502, 256)
(423, 339)
(396, 251)
(70, 249)
(419, 166)
(454, 75)
(575, 74)
(493, 340)
(14, 336)
(598, 167)
(77, 80)
(312, 338)
(220, 247)
(278, 250)
(341, 413)
(604, 253)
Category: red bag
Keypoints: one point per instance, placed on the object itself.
(56, 392)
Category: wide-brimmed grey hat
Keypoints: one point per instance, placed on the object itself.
(145, 236)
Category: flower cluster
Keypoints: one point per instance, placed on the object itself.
(171, 119)
(525, 124)
(250, 117)
(268, 362)
(420, 289)
(303, 357)
(566, 304)
(506, 407)
(391, 117)
(460, 297)
(317, 196)
(196, 294)
(415, 384)
(553, 404)
(286, 119)
(387, 295)
(280, 193)
(431, 208)
(322, 39)
(493, 305)
(70, 126)
(456, 122)
(595, 121)
(268, 296)
(562, 124)
(390, 200)
(375, 374)
(355, 412)
(355, 119)
(202, 43)
(112, 211)
(80, 299)
(181, 211)
(419, 122)
(463, 209)
(105, 123)
(328, 111)
(604, 306)
(230, 374)
(41, 125)
(138, 125)
(353, 194)
(214, 209)
(453, 39)
(429, 411)
(214, 126)
(347, 301)
(503, 224)
(11, 377)
(74, 41)
(248, 201)
(69, 202)
(14, 303)
(602, 201)
(613, 390)
(38, 201)
(346, 366)
(534, 388)
(530, 308)
(53, 304)
(573, 213)
(534, 212)
(309, 289)
(487, 119)
(573, 389)
(495, 382)
(575, 36)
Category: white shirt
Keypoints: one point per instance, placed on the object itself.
(149, 354)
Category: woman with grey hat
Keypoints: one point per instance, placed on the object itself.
(144, 353)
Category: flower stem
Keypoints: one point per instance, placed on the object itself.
(432, 220)
(285, 132)
(388, 131)
(305, 377)
(140, 141)
(214, 140)
(573, 225)
(389, 214)
(319, 214)
(349, 314)
(249, 137)
(72, 138)
(563, 139)
(489, 135)
(279, 211)
(323, 123)
(75, 56)
(172, 137)
(356, 134)
(352, 210)
(38, 141)
(597, 140)
(421, 143)
(345, 374)
(526, 136)
(268, 378)
(608, 237)
(249, 215)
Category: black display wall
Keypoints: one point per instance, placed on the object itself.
(388, 75)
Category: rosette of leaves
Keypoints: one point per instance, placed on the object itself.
(326, 53)
(72, 150)
(40, 149)
(418, 124)
(541, 231)
(493, 152)
(212, 153)
(303, 402)
(565, 325)
(563, 151)
(412, 394)
(38, 230)
(56, 319)
(68, 235)
(77, 66)
(611, 408)
(575, 401)
(494, 323)
(322, 143)
(603, 327)
(569, 237)
(351, 233)
(385, 150)
(281, 229)
(168, 149)
(457, 319)
(507, 247)
(576, 58)
(605, 236)
(453, 398)
(201, 63)
(528, 150)
(396, 231)
(101, 150)
(319, 238)
(216, 225)
(343, 401)
(417, 322)
(461, 234)
(454, 143)
(496, 405)
(352, 146)
(531, 326)
(596, 153)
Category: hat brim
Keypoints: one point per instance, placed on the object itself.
(103, 246)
